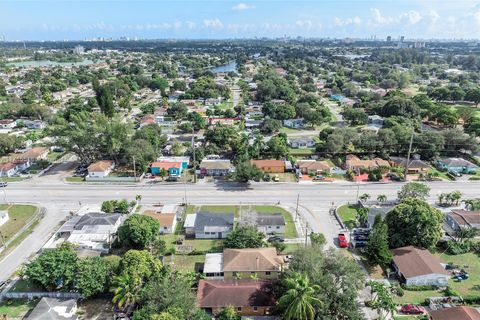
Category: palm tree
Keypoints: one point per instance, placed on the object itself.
(126, 290)
(364, 197)
(456, 196)
(441, 196)
(362, 215)
(381, 198)
(299, 301)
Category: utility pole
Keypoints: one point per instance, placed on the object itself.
(306, 233)
(296, 210)
(185, 188)
(358, 190)
(194, 160)
(134, 170)
(4, 186)
(3, 241)
(409, 153)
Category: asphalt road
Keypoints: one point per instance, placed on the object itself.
(61, 198)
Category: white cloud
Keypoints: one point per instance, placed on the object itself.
(378, 19)
(304, 23)
(213, 23)
(242, 6)
(177, 24)
(346, 22)
(412, 16)
(190, 24)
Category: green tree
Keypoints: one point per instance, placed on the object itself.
(317, 239)
(138, 231)
(105, 100)
(245, 171)
(244, 237)
(414, 190)
(228, 313)
(126, 290)
(414, 222)
(54, 269)
(158, 247)
(299, 301)
(381, 198)
(140, 264)
(339, 280)
(377, 248)
(91, 276)
(277, 147)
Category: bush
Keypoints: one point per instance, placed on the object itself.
(419, 288)
(472, 299)
(454, 248)
(397, 290)
(449, 292)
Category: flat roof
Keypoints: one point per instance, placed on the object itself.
(213, 263)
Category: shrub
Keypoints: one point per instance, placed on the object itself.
(454, 248)
(419, 288)
(449, 292)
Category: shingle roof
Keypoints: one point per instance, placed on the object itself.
(414, 163)
(165, 219)
(97, 219)
(464, 217)
(261, 259)
(100, 166)
(456, 313)
(268, 163)
(237, 293)
(414, 262)
(458, 162)
(216, 164)
(271, 220)
(53, 309)
(206, 219)
(166, 165)
(313, 165)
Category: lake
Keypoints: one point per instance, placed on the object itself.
(229, 67)
(49, 63)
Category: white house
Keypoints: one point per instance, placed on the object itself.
(204, 225)
(3, 217)
(294, 123)
(301, 143)
(416, 266)
(270, 224)
(100, 169)
(7, 124)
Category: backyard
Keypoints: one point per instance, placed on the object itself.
(19, 215)
(16, 309)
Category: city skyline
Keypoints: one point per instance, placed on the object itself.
(79, 20)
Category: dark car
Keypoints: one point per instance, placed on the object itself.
(360, 244)
(276, 239)
(3, 184)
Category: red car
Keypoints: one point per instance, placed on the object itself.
(412, 309)
(342, 240)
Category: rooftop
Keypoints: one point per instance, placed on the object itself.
(414, 262)
(100, 166)
(456, 313)
(261, 259)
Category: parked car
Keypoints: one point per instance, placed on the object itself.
(360, 244)
(342, 240)
(276, 239)
(3, 184)
(455, 173)
(319, 178)
(412, 309)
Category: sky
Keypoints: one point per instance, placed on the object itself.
(219, 19)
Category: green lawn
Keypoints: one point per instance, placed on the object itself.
(75, 179)
(348, 214)
(197, 244)
(12, 179)
(416, 297)
(26, 286)
(16, 309)
(19, 216)
(183, 262)
(441, 174)
(301, 151)
(53, 156)
(292, 247)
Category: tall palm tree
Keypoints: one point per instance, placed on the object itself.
(364, 197)
(126, 290)
(441, 197)
(456, 196)
(299, 301)
(381, 198)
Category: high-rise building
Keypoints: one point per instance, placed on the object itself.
(79, 50)
(402, 38)
(389, 39)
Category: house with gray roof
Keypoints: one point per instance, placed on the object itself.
(304, 142)
(456, 164)
(271, 224)
(54, 309)
(206, 225)
(92, 231)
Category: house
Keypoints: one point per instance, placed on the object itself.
(100, 169)
(455, 313)
(301, 142)
(269, 166)
(174, 169)
(313, 167)
(416, 266)
(215, 167)
(54, 309)
(34, 154)
(7, 124)
(185, 161)
(457, 219)
(3, 217)
(457, 164)
(264, 263)
(376, 120)
(205, 225)
(354, 163)
(252, 124)
(93, 231)
(294, 123)
(8, 169)
(168, 221)
(248, 297)
(271, 224)
(415, 165)
(35, 124)
(224, 121)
